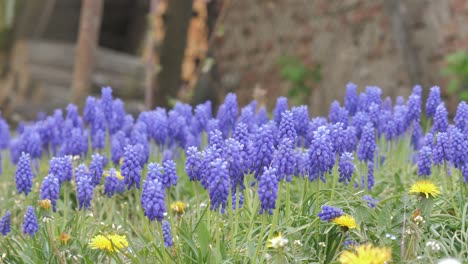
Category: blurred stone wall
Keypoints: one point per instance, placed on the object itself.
(353, 40)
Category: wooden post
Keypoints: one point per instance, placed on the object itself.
(88, 36)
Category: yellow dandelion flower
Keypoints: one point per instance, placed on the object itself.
(345, 221)
(425, 188)
(64, 238)
(109, 242)
(366, 254)
(178, 207)
(117, 174)
(277, 242)
(45, 204)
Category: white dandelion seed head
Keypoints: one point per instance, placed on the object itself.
(449, 261)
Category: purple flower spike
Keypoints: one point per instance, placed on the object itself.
(286, 127)
(263, 149)
(424, 161)
(30, 225)
(440, 119)
(329, 213)
(169, 175)
(193, 163)
(227, 114)
(346, 167)
(285, 160)
(281, 106)
(461, 117)
(433, 101)
(5, 224)
(351, 98)
(24, 175)
(84, 187)
(152, 200)
(370, 175)
(131, 168)
(96, 168)
(268, 190)
(218, 184)
(338, 114)
(321, 156)
(167, 235)
(51, 189)
(112, 184)
(367, 144)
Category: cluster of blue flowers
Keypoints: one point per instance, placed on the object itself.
(329, 213)
(241, 141)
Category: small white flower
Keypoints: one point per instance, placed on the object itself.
(267, 256)
(433, 245)
(419, 220)
(278, 242)
(322, 244)
(202, 205)
(297, 243)
(46, 219)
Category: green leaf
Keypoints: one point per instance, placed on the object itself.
(452, 86)
(204, 238)
(464, 95)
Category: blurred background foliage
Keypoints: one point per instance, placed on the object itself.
(457, 71)
(301, 77)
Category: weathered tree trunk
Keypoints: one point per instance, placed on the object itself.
(90, 22)
(208, 81)
(402, 38)
(172, 52)
(151, 75)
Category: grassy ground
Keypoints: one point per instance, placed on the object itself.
(241, 236)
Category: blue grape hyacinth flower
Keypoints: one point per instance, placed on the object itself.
(152, 200)
(367, 146)
(84, 187)
(425, 161)
(321, 156)
(433, 101)
(50, 189)
(268, 190)
(167, 235)
(218, 184)
(30, 225)
(5, 224)
(346, 167)
(131, 168)
(24, 174)
(329, 213)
